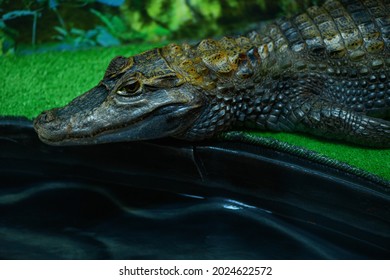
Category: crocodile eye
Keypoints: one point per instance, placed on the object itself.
(129, 89)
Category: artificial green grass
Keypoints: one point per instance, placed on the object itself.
(376, 161)
(33, 83)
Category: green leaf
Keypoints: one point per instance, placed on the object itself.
(105, 39)
(77, 31)
(18, 13)
(61, 30)
(53, 4)
(114, 3)
(103, 18)
(210, 11)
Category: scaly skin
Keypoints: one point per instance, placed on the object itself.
(325, 72)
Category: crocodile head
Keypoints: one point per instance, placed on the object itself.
(139, 98)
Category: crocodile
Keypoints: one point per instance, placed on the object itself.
(324, 72)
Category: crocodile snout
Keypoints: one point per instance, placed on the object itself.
(47, 125)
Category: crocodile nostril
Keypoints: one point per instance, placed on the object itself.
(46, 117)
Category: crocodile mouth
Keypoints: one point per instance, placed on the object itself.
(164, 121)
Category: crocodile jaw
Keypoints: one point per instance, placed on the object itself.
(97, 117)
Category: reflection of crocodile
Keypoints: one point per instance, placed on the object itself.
(324, 72)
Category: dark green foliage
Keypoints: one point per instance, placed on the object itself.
(112, 2)
(86, 23)
(86, 38)
(52, 16)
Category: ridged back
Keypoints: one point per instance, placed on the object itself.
(347, 27)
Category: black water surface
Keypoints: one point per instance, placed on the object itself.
(177, 200)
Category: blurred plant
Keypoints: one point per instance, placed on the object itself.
(6, 34)
(127, 32)
(288, 7)
(76, 38)
(123, 21)
(6, 42)
(189, 18)
(115, 3)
